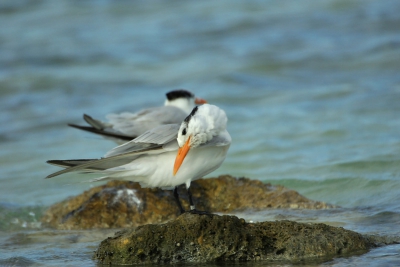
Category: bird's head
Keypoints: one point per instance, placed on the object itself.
(202, 124)
(183, 99)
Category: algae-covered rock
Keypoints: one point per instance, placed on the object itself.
(116, 204)
(214, 238)
(226, 194)
(125, 204)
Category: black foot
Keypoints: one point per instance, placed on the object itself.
(176, 196)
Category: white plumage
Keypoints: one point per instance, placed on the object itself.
(166, 156)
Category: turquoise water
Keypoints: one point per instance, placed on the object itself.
(311, 89)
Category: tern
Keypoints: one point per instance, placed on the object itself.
(166, 156)
(127, 126)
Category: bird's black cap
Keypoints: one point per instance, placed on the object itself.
(178, 94)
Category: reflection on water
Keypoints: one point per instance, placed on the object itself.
(311, 90)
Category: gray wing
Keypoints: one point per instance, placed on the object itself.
(152, 141)
(134, 124)
(93, 165)
(159, 135)
(153, 138)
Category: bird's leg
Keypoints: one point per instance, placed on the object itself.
(192, 206)
(176, 196)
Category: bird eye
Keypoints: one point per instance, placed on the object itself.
(184, 131)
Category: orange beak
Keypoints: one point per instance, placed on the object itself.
(199, 101)
(182, 152)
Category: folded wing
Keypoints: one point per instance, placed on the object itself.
(151, 142)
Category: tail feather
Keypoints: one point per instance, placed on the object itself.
(90, 165)
(68, 163)
(73, 163)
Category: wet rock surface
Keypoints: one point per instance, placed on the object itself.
(214, 238)
(120, 204)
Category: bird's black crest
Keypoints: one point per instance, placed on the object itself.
(187, 119)
(178, 94)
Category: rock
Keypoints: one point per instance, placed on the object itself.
(214, 238)
(120, 204)
(227, 194)
(116, 204)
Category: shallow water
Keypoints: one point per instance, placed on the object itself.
(311, 90)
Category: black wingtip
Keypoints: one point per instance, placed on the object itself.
(87, 128)
(53, 161)
(101, 132)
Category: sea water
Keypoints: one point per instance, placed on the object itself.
(311, 89)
